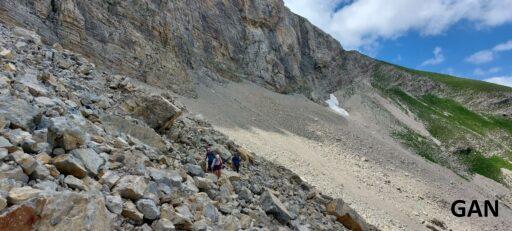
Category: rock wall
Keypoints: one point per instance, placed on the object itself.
(169, 43)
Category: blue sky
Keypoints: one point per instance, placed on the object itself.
(466, 38)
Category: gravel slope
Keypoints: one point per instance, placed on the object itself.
(352, 158)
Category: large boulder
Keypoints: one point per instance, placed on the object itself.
(20, 195)
(70, 165)
(90, 159)
(131, 212)
(170, 178)
(148, 209)
(131, 187)
(158, 112)
(272, 205)
(58, 211)
(26, 161)
(22, 115)
(347, 216)
(117, 124)
(195, 170)
(67, 132)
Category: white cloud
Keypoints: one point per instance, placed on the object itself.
(506, 46)
(362, 23)
(482, 72)
(501, 80)
(483, 56)
(488, 55)
(437, 59)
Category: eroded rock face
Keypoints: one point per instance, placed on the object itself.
(162, 44)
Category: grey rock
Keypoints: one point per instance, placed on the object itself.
(168, 177)
(4, 143)
(40, 172)
(21, 116)
(189, 187)
(26, 161)
(143, 133)
(74, 183)
(70, 165)
(184, 211)
(272, 205)
(20, 195)
(131, 212)
(46, 185)
(195, 170)
(90, 159)
(15, 173)
(27, 34)
(202, 183)
(3, 153)
(155, 110)
(163, 225)
(229, 223)
(114, 204)
(148, 208)
(109, 178)
(131, 187)
(211, 212)
(245, 194)
(67, 132)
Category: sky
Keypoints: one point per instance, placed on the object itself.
(465, 38)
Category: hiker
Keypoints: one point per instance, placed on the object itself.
(235, 161)
(209, 159)
(217, 165)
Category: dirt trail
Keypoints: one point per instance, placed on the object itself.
(391, 187)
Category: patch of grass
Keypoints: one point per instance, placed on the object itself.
(502, 122)
(487, 166)
(419, 144)
(445, 117)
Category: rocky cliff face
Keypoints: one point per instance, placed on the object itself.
(169, 43)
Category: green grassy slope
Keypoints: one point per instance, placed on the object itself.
(462, 83)
(467, 136)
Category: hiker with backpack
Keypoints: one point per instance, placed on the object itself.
(217, 165)
(235, 161)
(210, 156)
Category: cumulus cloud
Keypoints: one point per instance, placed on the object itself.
(360, 24)
(437, 59)
(488, 55)
(501, 80)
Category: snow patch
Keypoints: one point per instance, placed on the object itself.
(335, 106)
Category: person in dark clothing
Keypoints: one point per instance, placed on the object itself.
(235, 161)
(210, 156)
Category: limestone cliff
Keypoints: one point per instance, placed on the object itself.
(168, 43)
